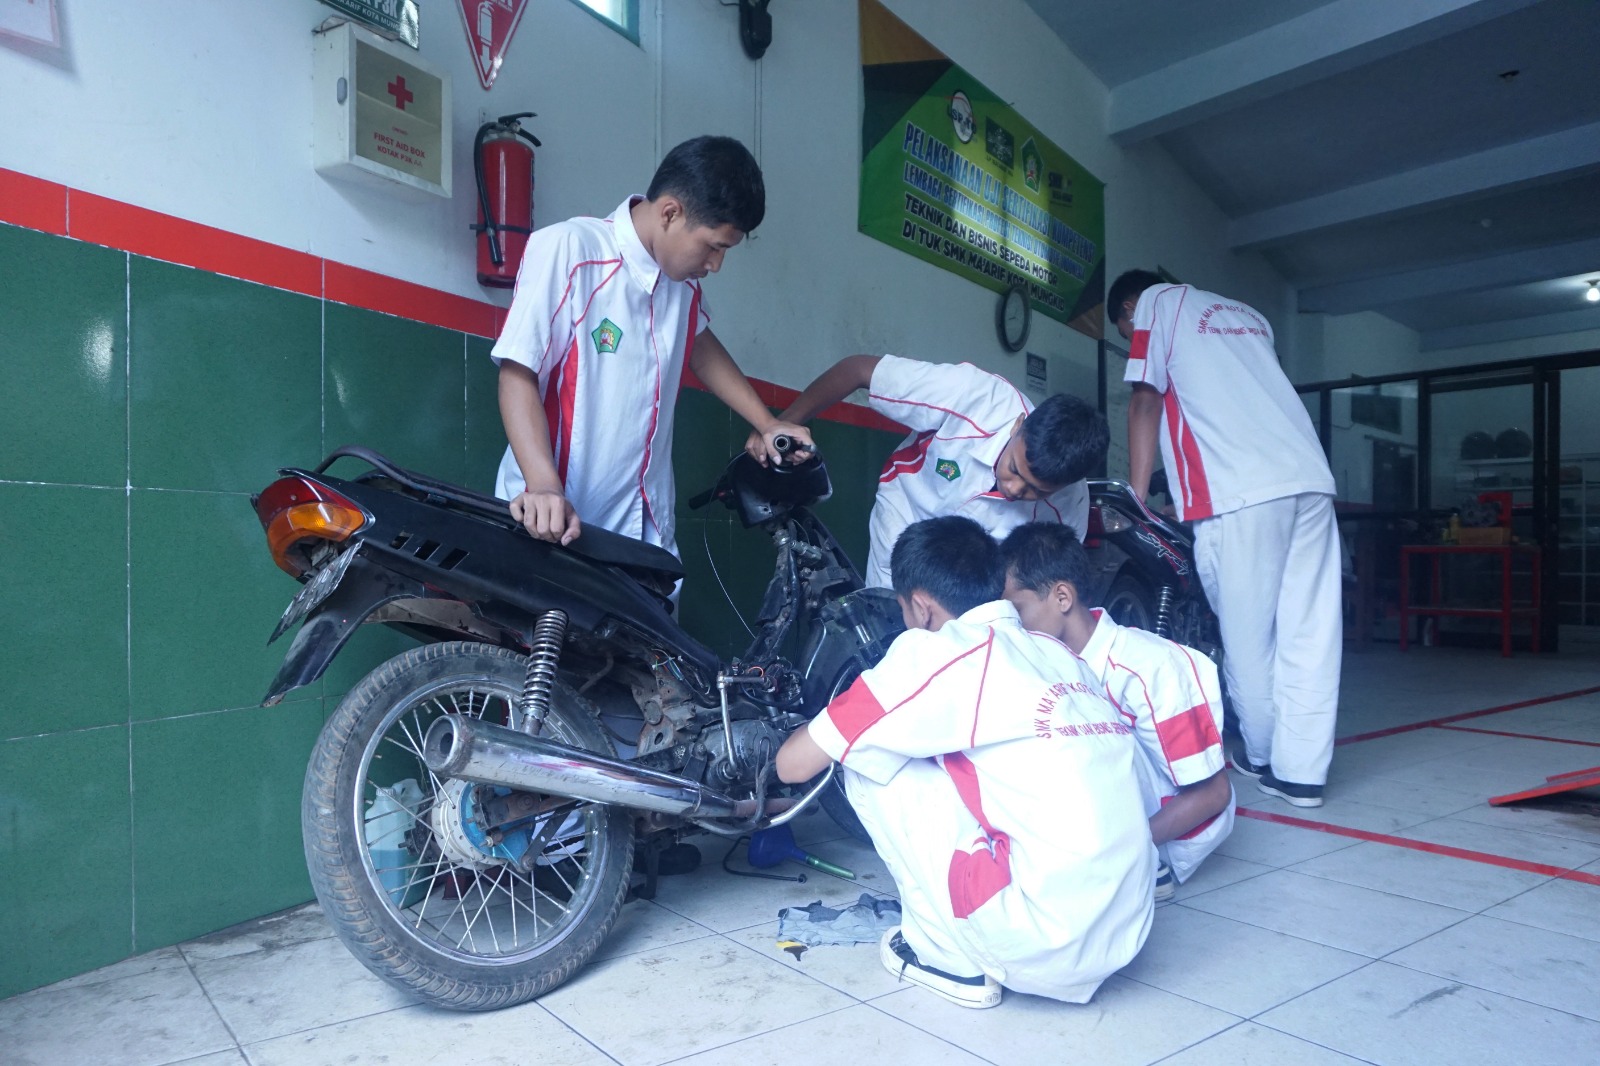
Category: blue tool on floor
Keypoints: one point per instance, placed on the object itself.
(769, 847)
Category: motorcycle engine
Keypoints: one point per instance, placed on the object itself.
(754, 743)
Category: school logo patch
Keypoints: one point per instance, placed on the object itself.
(607, 335)
(948, 469)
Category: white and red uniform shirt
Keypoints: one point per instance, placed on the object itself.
(1050, 868)
(1233, 431)
(608, 334)
(961, 419)
(1170, 695)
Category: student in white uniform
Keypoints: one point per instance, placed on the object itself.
(977, 448)
(605, 315)
(1245, 466)
(998, 784)
(1167, 692)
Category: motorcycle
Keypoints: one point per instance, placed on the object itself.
(473, 807)
(1145, 571)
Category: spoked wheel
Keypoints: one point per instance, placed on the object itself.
(469, 896)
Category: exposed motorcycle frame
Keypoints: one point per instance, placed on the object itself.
(578, 717)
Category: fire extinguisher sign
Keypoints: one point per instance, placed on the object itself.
(489, 25)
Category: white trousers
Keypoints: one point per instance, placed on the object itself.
(1272, 572)
(912, 820)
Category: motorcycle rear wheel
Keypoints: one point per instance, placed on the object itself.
(460, 928)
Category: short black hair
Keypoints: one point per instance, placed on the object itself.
(952, 559)
(717, 179)
(1065, 440)
(1128, 287)
(1039, 554)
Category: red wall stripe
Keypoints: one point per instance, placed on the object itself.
(174, 240)
(1422, 845)
(33, 202)
(37, 204)
(378, 292)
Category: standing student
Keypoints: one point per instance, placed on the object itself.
(606, 314)
(1246, 467)
(1167, 692)
(997, 783)
(977, 448)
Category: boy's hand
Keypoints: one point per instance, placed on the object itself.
(759, 444)
(547, 515)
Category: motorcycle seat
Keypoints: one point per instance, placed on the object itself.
(593, 543)
(603, 546)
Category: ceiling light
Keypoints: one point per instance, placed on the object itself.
(1593, 295)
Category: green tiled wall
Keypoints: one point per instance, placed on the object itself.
(145, 796)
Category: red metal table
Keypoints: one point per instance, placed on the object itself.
(1506, 612)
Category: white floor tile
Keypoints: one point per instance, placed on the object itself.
(1394, 1016)
(1232, 966)
(850, 1037)
(144, 1019)
(274, 932)
(1270, 844)
(1250, 1044)
(1216, 871)
(1536, 759)
(220, 1058)
(644, 926)
(853, 969)
(815, 826)
(871, 873)
(1400, 795)
(1126, 1024)
(149, 962)
(1538, 965)
(1449, 882)
(263, 994)
(1507, 843)
(1570, 825)
(1565, 906)
(722, 901)
(656, 1006)
(425, 1036)
(1328, 912)
(1439, 774)
(1339, 810)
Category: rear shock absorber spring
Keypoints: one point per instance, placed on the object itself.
(1164, 612)
(544, 652)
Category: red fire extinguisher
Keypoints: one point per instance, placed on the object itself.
(504, 168)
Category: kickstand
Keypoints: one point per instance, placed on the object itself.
(646, 874)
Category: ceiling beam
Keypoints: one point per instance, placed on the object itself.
(1488, 272)
(1536, 159)
(1514, 329)
(1327, 40)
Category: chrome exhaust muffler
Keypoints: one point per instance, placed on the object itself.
(475, 750)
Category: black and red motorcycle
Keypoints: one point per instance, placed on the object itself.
(473, 807)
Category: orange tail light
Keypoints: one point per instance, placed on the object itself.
(294, 509)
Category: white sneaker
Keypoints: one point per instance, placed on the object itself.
(900, 960)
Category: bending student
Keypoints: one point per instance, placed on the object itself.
(997, 783)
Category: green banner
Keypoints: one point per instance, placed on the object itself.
(394, 19)
(953, 176)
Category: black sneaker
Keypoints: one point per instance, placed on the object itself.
(900, 960)
(1243, 765)
(1299, 795)
(1166, 884)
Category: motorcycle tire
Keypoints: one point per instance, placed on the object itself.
(1130, 603)
(833, 798)
(454, 923)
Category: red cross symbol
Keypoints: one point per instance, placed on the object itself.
(402, 95)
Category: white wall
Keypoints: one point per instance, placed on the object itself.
(1337, 346)
(201, 109)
